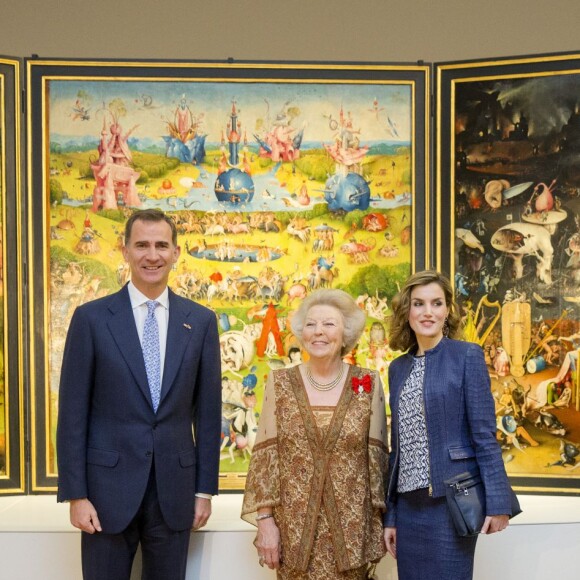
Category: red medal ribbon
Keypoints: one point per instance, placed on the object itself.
(359, 385)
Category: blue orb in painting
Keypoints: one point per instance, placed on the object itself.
(347, 192)
(234, 186)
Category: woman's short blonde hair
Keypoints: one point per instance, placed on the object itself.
(354, 318)
(401, 336)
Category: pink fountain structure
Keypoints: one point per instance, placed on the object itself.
(346, 149)
(115, 178)
(281, 141)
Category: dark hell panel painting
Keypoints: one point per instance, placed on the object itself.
(509, 162)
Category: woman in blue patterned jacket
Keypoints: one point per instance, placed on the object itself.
(443, 424)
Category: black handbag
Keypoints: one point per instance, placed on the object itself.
(466, 501)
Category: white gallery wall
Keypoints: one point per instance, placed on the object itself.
(38, 543)
(341, 30)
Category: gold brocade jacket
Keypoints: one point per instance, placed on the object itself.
(295, 470)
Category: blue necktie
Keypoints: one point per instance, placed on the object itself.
(151, 353)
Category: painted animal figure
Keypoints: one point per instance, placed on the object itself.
(303, 234)
(243, 228)
(274, 289)
(550, 423)
(216, 289)
(568, 454)
(354, 247)
(358, 251)
(296, 291)
(215, 230)
(242, 288)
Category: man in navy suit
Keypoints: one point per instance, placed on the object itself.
(138, 463)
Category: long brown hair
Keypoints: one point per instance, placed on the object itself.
(401, 336)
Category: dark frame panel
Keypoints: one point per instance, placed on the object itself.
(12, 452)
(506, 133)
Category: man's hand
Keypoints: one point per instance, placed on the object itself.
(202, 512)
(83, 516)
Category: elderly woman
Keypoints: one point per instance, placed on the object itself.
(443, 424)
(315, 486)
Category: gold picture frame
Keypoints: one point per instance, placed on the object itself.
(12, 418)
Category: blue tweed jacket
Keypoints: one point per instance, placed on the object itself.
(460, 420)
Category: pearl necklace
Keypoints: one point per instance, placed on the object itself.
(324, 386)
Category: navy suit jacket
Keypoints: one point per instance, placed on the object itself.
(460, 417)
(108, 434)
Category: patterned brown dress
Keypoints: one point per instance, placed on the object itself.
(323, 471)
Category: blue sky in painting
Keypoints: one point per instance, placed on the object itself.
(382, 112)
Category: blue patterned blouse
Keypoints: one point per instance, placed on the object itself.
(413, 442)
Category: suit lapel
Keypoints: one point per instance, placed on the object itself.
(404, 371)
(122, 327)
(179, 332)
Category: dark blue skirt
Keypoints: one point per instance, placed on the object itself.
(428, 548)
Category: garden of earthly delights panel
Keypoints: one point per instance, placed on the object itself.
(276, 190)
(517, 259)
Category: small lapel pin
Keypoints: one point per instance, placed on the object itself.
(188, 326)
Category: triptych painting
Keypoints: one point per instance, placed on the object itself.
(284, 178)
